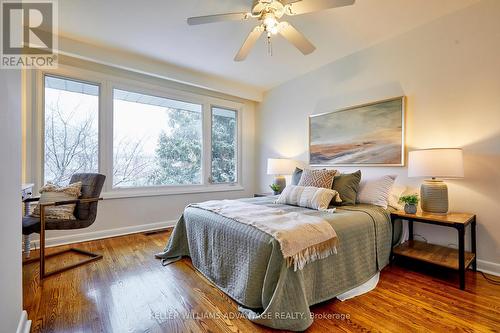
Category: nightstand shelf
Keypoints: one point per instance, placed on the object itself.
(457, 259)
(259, 195)
(433, 254)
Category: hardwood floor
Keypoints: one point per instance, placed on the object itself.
(130, 291)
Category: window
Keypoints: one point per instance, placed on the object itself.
(71, 138)
(156, 141)
(224, 145)
(148, 139)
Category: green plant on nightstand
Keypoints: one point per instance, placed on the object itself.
(411, 202)
(276, 188)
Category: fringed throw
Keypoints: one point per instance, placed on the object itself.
(312, 253)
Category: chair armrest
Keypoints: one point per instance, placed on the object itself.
(76, 201)
(60, 203)
(31, 199)
(69, 202)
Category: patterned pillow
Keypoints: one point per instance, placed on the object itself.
(308, 196)
(52, 193)
(317, 178)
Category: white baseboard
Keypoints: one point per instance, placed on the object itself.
(94, 235)
(24, 325)
(488, 267)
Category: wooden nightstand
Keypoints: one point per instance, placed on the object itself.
(435, 254)
(258, 195)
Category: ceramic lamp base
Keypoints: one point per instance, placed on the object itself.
(434, 195)
(281, 182)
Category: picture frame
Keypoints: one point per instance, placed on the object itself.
(370, 134)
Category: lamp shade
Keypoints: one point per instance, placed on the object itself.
(437, 162)
(280, 166)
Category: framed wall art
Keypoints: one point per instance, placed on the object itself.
(365, 135)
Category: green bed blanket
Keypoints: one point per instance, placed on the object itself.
(247, 263)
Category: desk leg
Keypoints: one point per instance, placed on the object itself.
(473, 243)
(42, 243)
(461, 254)
(26, 243)
(26, 238)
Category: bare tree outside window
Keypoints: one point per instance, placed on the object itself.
(130, 162)
(71, 129)
(72, 135)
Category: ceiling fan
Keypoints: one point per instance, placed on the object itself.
(268, 13)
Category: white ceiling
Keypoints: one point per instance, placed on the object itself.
(158, 29)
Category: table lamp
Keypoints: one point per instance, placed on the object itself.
(279, 167)
(437, 163)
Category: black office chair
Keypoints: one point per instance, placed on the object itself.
(85, 213)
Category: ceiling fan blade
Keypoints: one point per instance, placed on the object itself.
(309, 6)
(296, 38)
(287, 2)
(218, 18)
(249, 43)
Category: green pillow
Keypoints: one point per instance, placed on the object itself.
(347, 185)
(296, 176)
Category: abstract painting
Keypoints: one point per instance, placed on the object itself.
(370, 135)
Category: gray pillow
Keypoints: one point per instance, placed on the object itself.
(347, 184)
(296, 176)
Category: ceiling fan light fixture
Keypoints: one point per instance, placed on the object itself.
(269, 20)
(273, 30)
(270, 23)
(269, 13)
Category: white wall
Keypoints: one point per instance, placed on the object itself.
(450, 71)
(154, 67)
(126, 215)
(10, 200)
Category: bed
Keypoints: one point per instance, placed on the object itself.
(247, 264)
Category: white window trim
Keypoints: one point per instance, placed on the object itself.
(238, 142)
(106, 82)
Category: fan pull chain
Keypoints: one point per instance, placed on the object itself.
(269, 45)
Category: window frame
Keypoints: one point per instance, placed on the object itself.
(35, 121)
(140, 89)
(238, 143)
(35, 129)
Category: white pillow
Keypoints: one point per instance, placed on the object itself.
(396, 193)
(376, 191)
(308, 196)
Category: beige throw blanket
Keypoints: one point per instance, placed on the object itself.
(302, 238)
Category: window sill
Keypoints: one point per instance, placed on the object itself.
(165, 191)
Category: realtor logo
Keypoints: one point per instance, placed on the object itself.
(28, 34)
